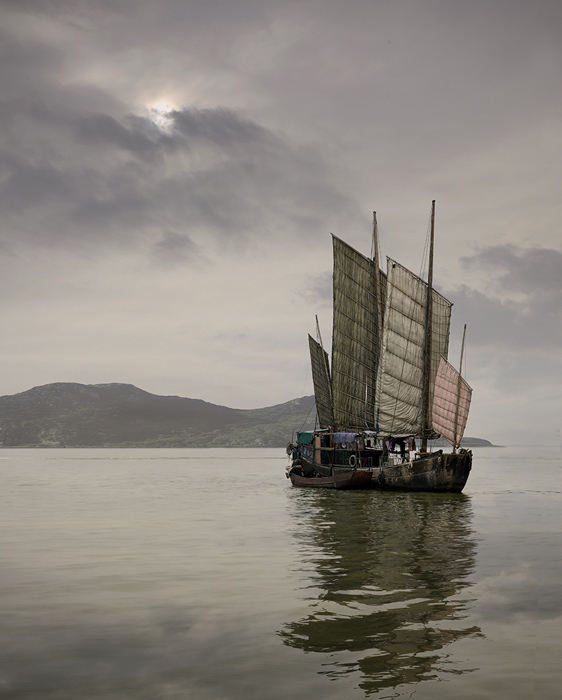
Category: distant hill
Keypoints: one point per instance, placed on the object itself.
(465, 442)
(121, 415)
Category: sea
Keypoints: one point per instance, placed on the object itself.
(202, 574)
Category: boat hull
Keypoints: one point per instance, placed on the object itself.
(351, 480)
(435, 471)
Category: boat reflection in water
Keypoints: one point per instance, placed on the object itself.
(389, 571)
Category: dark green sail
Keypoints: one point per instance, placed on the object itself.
(322, 383)
(355, 339)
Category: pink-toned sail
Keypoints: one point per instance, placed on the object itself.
(451, 403)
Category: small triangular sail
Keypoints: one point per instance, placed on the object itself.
(322, 383)
(400, 381)
(451, 403)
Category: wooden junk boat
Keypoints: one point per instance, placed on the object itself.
(389, 385)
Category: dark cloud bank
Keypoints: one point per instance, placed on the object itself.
(78, 169)
(521, 306)
(209, 172)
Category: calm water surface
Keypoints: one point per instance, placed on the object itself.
(202, 574)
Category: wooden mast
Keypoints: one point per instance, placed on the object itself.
(427, 349)
(377, 278)
(379, 313)
(316, 439)
(459, 384)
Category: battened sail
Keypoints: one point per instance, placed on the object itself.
(451, 403)
(322, 383)
(355, 337)
(400, 380)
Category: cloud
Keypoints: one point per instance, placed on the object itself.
(318, 289)
(174, 248)
(513, 312)
(81, 169)
(520, 307)
(211, 173)
(530, 271)
(140, 141)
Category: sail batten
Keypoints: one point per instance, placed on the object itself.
(384, 360)
(389, 378)
(451, 403)
(322, 383)
(401, 373)
(355, 337)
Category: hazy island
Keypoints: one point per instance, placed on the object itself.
(121, 415)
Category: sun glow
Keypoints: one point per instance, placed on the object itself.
(159, 113)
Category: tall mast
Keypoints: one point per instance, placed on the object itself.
(377, 280)
(427, 349)
(378, 313)
(459, 382)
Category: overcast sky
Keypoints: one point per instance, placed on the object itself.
(171, 171)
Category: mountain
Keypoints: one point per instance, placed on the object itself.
(121, 415)
(465, 442)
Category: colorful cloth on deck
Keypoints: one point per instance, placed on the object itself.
(347, 439)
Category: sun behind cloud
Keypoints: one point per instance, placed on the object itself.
(159, 113)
